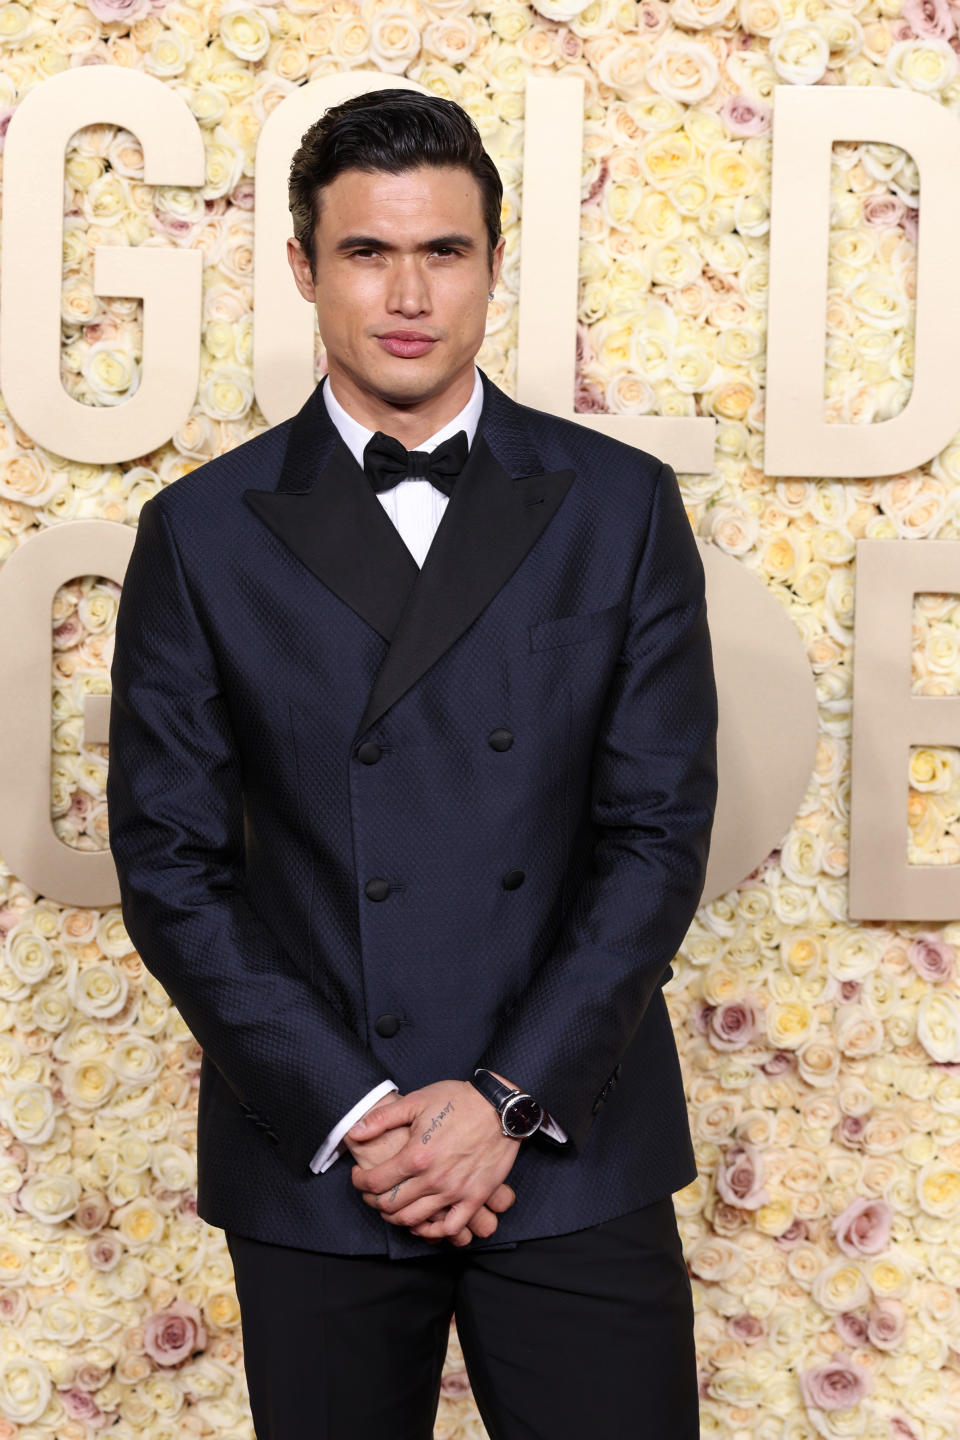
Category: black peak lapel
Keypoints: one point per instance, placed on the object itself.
(328, 514)
(487, 528)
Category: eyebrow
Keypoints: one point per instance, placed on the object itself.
(454, 241)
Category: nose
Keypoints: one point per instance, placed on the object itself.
(409, 292)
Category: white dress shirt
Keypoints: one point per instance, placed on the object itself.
(415, 507)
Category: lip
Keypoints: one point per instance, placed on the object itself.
(407, 344)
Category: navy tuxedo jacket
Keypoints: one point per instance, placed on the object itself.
(371, 820)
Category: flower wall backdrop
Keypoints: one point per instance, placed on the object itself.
(822, 1057)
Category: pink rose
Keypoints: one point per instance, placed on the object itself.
(13, 1307)
(588, 399)
(883, 211)
(92, 1212)
(127, 11)
(850, 1130)
(243, 194)
(455, 1384)
(932, 957)
(780, 1061)
(80, 1406)
(851, 1327)
(863, 1228)
(603, 175)
(91, 1377)
(738, 1177)
(929, 17)
(104, 1250)
(68, 633)
(795, 1233)
(837, 1385)
(652, 17)
(886, 1323)
(174, 1334)
(732, 1025)
(901, 1430)
(748, 1328)
(743, 116)
(849, 989)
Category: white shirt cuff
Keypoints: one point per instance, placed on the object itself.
(331, 1149)
(551, 1127)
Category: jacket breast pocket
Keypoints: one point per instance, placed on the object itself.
(586, 625)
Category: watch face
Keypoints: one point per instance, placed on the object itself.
(522, 1115)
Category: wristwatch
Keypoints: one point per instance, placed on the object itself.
(520, 1115)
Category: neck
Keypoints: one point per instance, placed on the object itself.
(409, 422)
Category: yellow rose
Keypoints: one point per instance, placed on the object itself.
(789, 1025)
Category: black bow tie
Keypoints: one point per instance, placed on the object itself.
(386, 462)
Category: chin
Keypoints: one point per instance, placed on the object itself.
(404, 382)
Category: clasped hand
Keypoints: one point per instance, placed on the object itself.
(435, 1160)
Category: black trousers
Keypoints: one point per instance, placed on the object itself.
(566, 1337)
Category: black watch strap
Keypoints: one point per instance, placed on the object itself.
(488, 1085)
(497, 1093)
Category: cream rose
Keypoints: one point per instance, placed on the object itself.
(683, 70)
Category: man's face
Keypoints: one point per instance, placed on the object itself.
(401, 280)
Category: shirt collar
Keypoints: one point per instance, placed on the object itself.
(355, 435)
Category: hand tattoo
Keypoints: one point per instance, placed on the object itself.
(437, 1120)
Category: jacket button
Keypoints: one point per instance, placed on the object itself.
(500, 739)
(387, 1025)
(369, 752)
(512, 879)
(377, 888)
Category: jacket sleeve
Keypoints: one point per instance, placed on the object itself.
(652, 798)
(175, 805)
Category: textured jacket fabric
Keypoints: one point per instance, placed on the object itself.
(372, 820)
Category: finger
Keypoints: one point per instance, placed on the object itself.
(415, 1212)
(409, 1162)
(383, 1117)
(502, 1198)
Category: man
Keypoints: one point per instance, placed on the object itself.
(411, 785)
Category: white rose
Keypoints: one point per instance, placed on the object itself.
(226, 393)
(99, 990)
(29, 1113)
(137, 1060)
(50, 1197)
(799, 54)
(28, 955)
(169, 55)
(560, 9)
(699, 14)
(926, 65)
(173, 1166)
(111, 372)
(25, 1384)
(938, 1026)
(245, 30)
(683, 70)
(394, 40)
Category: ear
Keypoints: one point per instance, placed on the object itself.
(496, 261)
(300, 266)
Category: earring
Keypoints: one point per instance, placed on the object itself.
(490, 295)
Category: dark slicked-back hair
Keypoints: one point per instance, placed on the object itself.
(393, 131)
